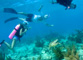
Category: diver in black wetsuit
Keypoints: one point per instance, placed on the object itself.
(30, 17)
(67, 3)
(20, 32)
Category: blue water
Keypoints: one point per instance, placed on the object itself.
(65, 21)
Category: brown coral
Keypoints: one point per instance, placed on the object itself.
(54, 43)
(71, 54)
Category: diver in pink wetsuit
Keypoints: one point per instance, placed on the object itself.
(18, 34)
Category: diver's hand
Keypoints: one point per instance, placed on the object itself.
(52, 25)
(29, 27)
(49, 25)
(25, 30)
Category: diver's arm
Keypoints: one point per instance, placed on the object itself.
(21, 33)
(50, 25)
(40, 8)
(23, 19)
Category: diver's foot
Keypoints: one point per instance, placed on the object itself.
(54, 2)
(2, 42)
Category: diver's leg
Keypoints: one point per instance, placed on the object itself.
(13, 42)
(12, 45)
(8, 45)
(22, 13)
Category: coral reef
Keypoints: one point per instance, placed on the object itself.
(8, 58)
(39, 57)
(2, 56)
(71, 54)
(78, 36)
(42, 49)
(53, 43)
(39, 42)
(58, 53)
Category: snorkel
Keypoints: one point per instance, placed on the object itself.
(25, 23)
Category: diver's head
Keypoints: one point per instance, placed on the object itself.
(72, 6)
(42, 17)
(25, 24)
(46, 16)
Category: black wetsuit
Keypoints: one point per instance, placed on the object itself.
(18, 31)
(64, 2)
(29, 17)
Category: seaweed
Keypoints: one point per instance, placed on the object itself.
(2, 57)
(39, 42)
(71, 54)
(35, 51)
(33, 58)
(39, 57)
(58, 53)
(8, 58)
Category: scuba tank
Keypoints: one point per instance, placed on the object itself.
(14, 31)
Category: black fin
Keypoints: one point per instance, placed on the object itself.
(10, 19)
(9, 10)
(2, 42)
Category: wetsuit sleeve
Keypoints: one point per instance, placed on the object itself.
(69, 2)
(29, 19)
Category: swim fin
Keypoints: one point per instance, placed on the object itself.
(2, 42)
(10, 10)
(10, 19)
